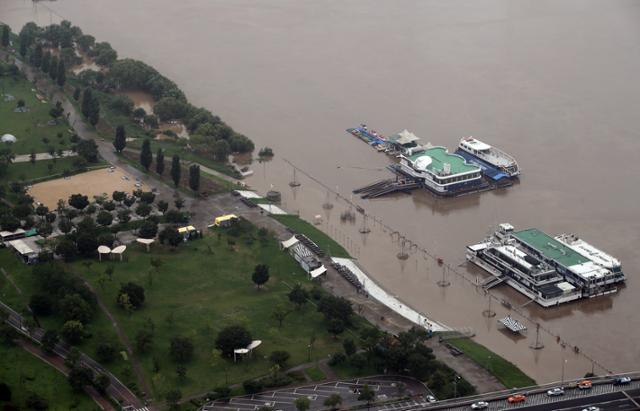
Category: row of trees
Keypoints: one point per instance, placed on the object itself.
(49, 64)
(63, 37)
(90, 106)
(146, 159)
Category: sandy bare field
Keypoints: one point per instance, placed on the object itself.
(92, 183)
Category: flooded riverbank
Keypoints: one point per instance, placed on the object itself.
(548, 83)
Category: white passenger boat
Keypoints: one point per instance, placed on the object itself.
(477, 151)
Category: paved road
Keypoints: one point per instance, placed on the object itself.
(603, 391)
(627, 400)
(23, 158)
(385, 387)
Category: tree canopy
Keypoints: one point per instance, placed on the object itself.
(232, 337)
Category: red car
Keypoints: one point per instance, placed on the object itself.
(585, 385)
(514, 399)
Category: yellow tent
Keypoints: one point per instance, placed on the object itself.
(224, 219)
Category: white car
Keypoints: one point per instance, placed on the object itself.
(480, 405)
(431, 398)
(592, 408)
(555, 392)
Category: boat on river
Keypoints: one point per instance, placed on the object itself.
(495, 163)
(371, 137)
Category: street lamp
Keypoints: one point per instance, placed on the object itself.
(309, 353)
(562, 378)
(455, 385)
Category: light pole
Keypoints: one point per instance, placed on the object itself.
(309, 353)
(455, 385)
(562, 377)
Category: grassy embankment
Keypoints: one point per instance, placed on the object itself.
(26, 375)
(203, 286)
(99, 328)
(506, 372)
(325, 242)
(30, 128)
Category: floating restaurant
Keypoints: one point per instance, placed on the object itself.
(544, 268)
(475, 166)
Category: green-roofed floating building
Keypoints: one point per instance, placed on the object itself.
(438, 170)
(549, 270)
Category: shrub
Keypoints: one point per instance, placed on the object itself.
(252, 386)
(337, 358)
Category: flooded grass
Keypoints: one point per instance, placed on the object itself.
(506, 372)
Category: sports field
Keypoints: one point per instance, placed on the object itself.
(92, 183)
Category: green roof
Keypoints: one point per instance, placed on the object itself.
(550, 247)
(440, 156)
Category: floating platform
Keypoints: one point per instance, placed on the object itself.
(386, 187)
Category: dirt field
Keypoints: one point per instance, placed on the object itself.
(92, 183)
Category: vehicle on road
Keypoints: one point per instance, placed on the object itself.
(516, 398)
(431, 398)
(555, 392)
(480, 405)
(585, 385)
(592, 408)
(622, 381)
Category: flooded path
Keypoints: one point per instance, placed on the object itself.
(551, 83)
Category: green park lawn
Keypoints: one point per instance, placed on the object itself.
(30, 128)
(31, 171)
(506, 372)
(203, 286)
(315, 374)
(100, 328)
(325, 242)
(33, 376)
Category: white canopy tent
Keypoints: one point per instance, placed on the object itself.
(119, 250)
(239, 351)
(9, 138)
(318, 272)
(146, 241)
(103, 249)
(289, 243)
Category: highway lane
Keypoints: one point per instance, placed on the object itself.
(613, 397)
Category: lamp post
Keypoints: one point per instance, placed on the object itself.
(455, 385)
(309, 353)
(562, 377)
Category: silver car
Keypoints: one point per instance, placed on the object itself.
(555, 392)
(480, 405)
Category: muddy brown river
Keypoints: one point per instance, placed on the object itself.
(553, 83)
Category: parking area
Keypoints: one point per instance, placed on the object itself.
(385, 388)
